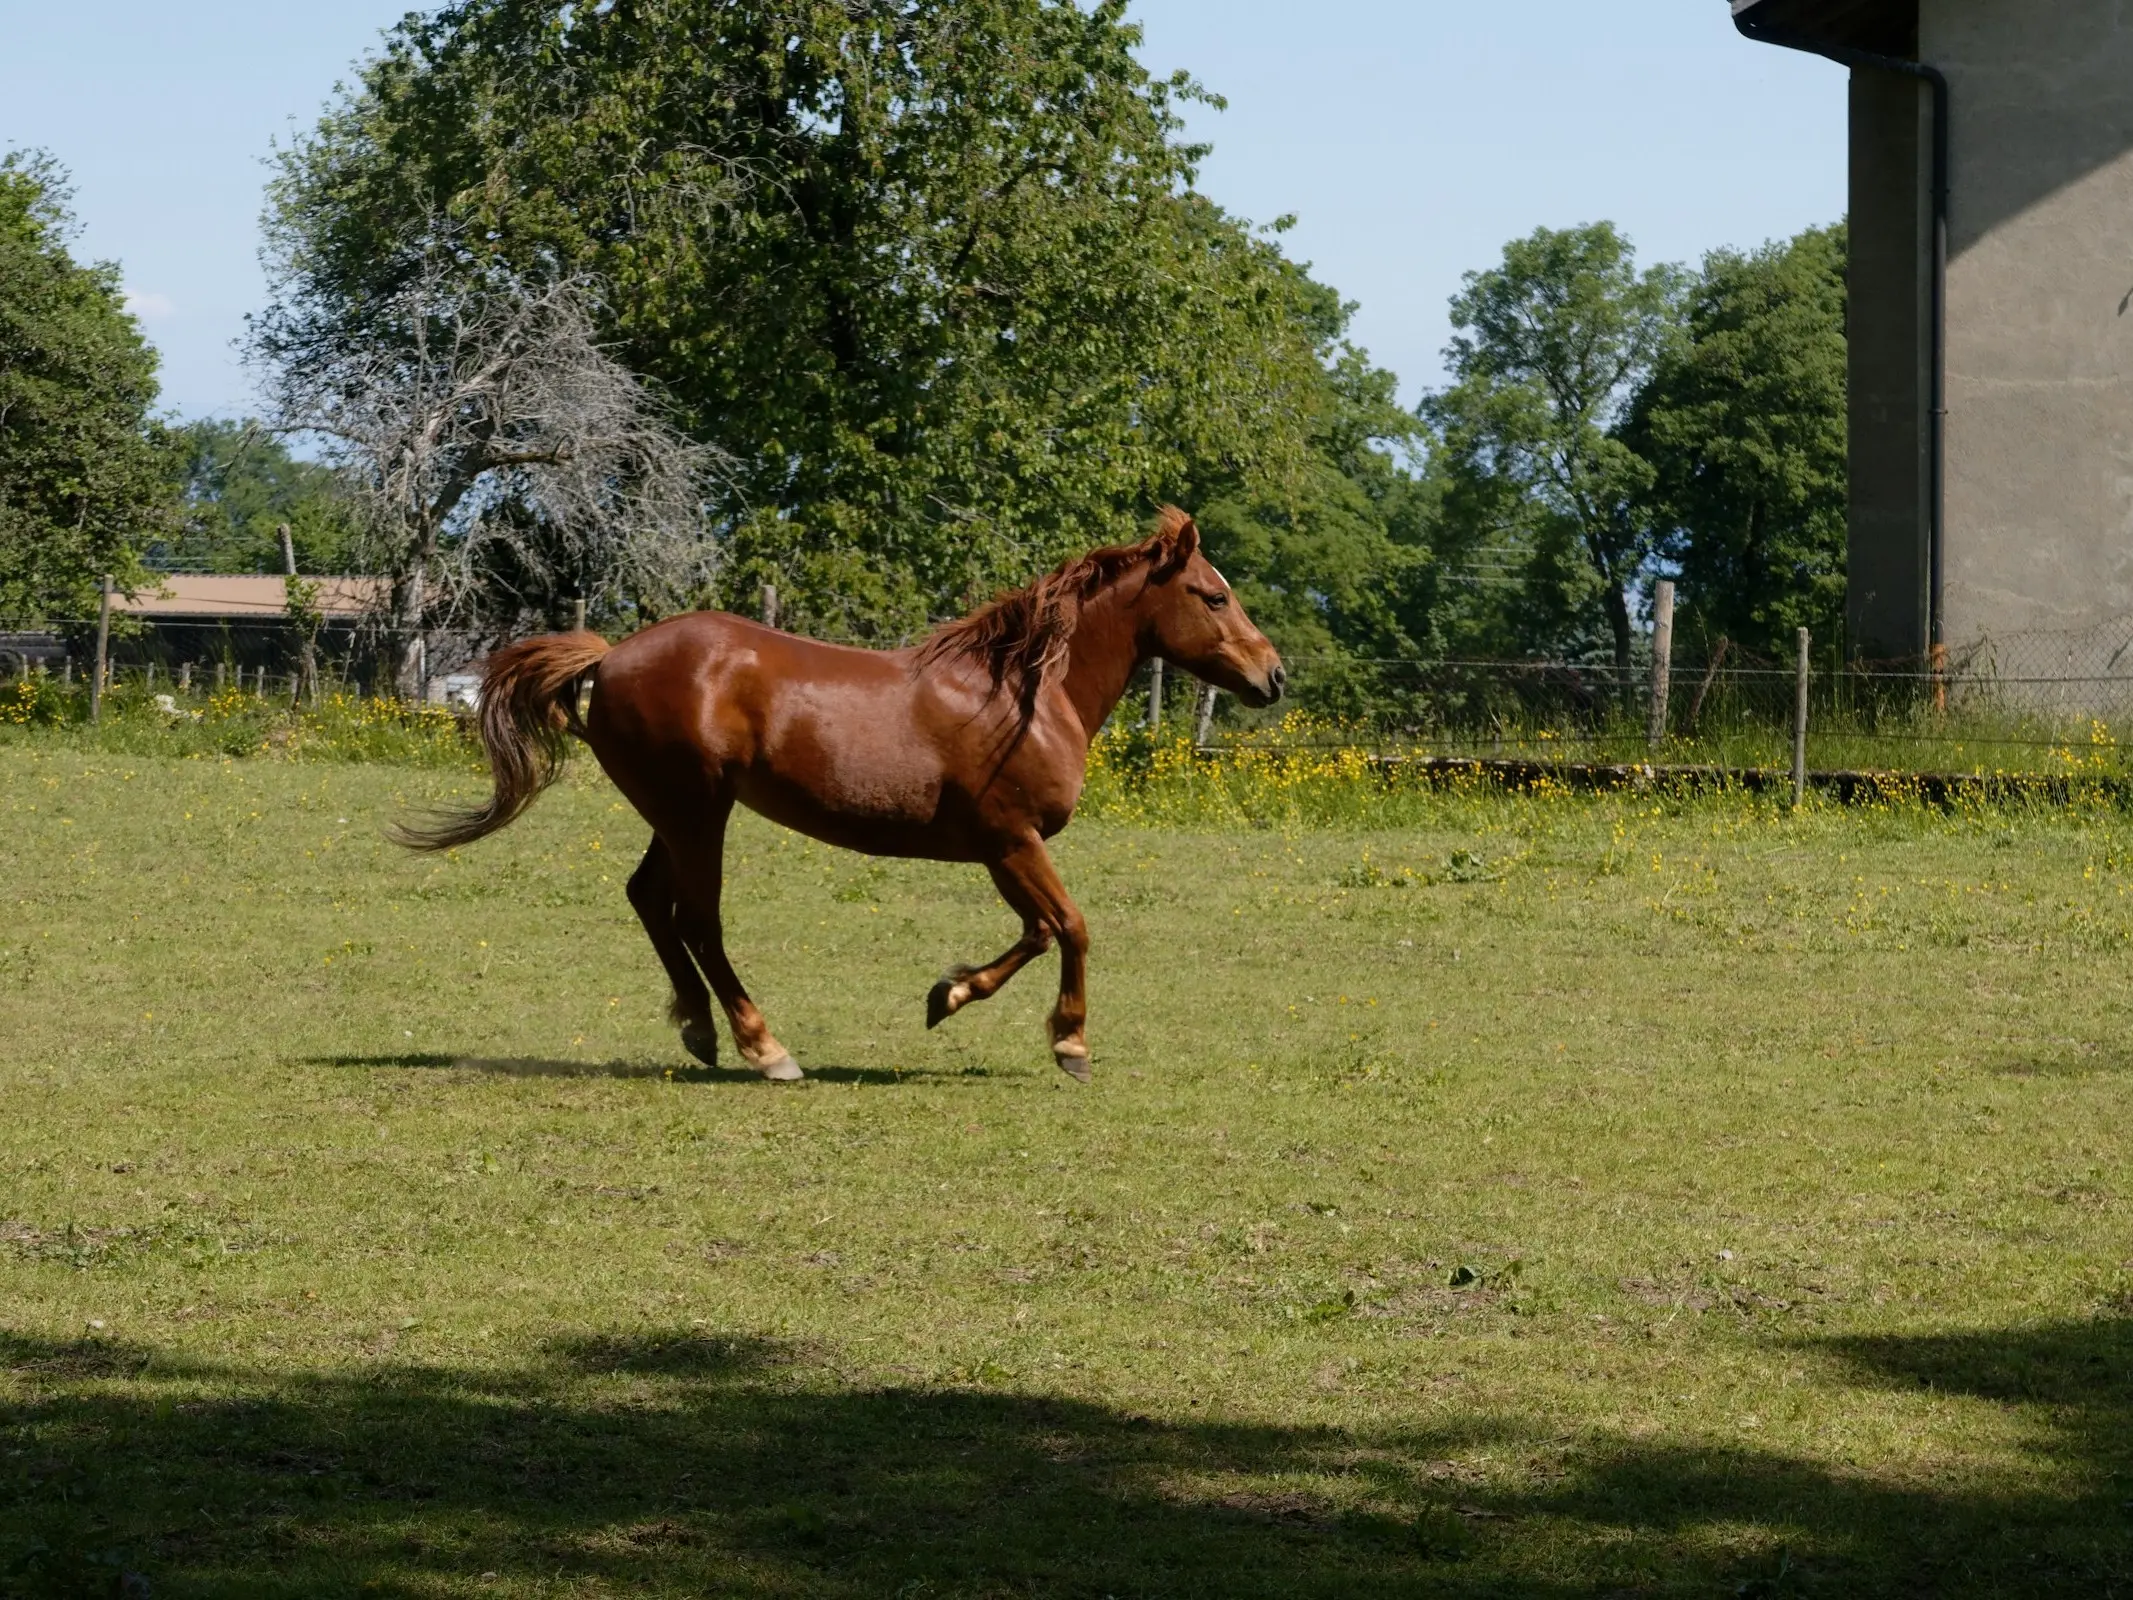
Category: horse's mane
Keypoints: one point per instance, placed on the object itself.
(1022, 634)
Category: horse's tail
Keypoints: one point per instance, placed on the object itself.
(529, 701)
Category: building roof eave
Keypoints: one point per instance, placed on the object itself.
(258, 596)
(1886, 27)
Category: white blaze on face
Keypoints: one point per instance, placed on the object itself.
(1217, 571)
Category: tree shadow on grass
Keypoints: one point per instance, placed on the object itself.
(685, 1463)
(552, 1067)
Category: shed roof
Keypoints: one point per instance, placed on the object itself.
(1889, 27)
(200, 594)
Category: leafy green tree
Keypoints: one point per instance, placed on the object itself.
(83, 466)
(1539, 493)
(238, 485)
(932, 272)
(1332, 562)
(1744, 427)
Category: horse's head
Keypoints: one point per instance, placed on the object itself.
(1191, 618)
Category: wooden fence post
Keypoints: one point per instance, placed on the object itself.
(1205, 723)
(222, 675)
(770, 605)
(1662, 657)
(66, 671)
(185, 677)
(1155, 694)
(1799, 727)
(307, 667)
(103, 653)
(577, 614)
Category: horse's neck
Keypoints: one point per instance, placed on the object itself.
(1102, 655)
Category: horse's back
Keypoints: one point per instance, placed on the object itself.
(847, 745)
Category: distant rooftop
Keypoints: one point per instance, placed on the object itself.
(200, 594)
(1889, 27)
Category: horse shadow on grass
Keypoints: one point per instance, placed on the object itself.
(666, 1071)
(684, 1463)
(2065, 1058)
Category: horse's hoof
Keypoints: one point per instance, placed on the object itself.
(1073, 1060)
(945, 999)
(782, 1070)
(700, 1039)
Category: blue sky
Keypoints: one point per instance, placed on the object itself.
(1411, 138)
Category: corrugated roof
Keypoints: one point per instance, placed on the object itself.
(202, 594)
(1889, 27)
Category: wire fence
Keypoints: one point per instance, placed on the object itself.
(266, 653)
(2006, 706)
(2041, 702)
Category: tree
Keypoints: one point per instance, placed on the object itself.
(238, 486)
(1551, 347)
(500, 460)
(83, 469)
(1332, 561)
(932, 272)
(1744, 427)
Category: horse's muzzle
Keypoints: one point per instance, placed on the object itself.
(1269, 687)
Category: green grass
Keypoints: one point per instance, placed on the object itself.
(1548, 1196)
(1973, 738)
(137, 720)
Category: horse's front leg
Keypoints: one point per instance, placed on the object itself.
(1030, 883)
(962, 985)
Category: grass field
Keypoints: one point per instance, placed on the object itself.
(1548, 1196)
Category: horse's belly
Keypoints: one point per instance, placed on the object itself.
(874, 785)
(887, 831)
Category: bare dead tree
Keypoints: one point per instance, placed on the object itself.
(503, 462)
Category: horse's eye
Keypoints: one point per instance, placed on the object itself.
(1215, 602)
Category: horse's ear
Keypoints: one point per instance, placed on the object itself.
(1187, 544)
(1177, 540)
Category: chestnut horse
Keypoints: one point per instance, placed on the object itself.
(970, 747)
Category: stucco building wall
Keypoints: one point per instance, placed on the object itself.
(2039, 313)
(2038, 493)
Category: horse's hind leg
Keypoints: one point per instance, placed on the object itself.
(654, 894)
(700, 871)
(962, 985)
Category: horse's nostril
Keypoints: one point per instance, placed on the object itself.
(1278, 680)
